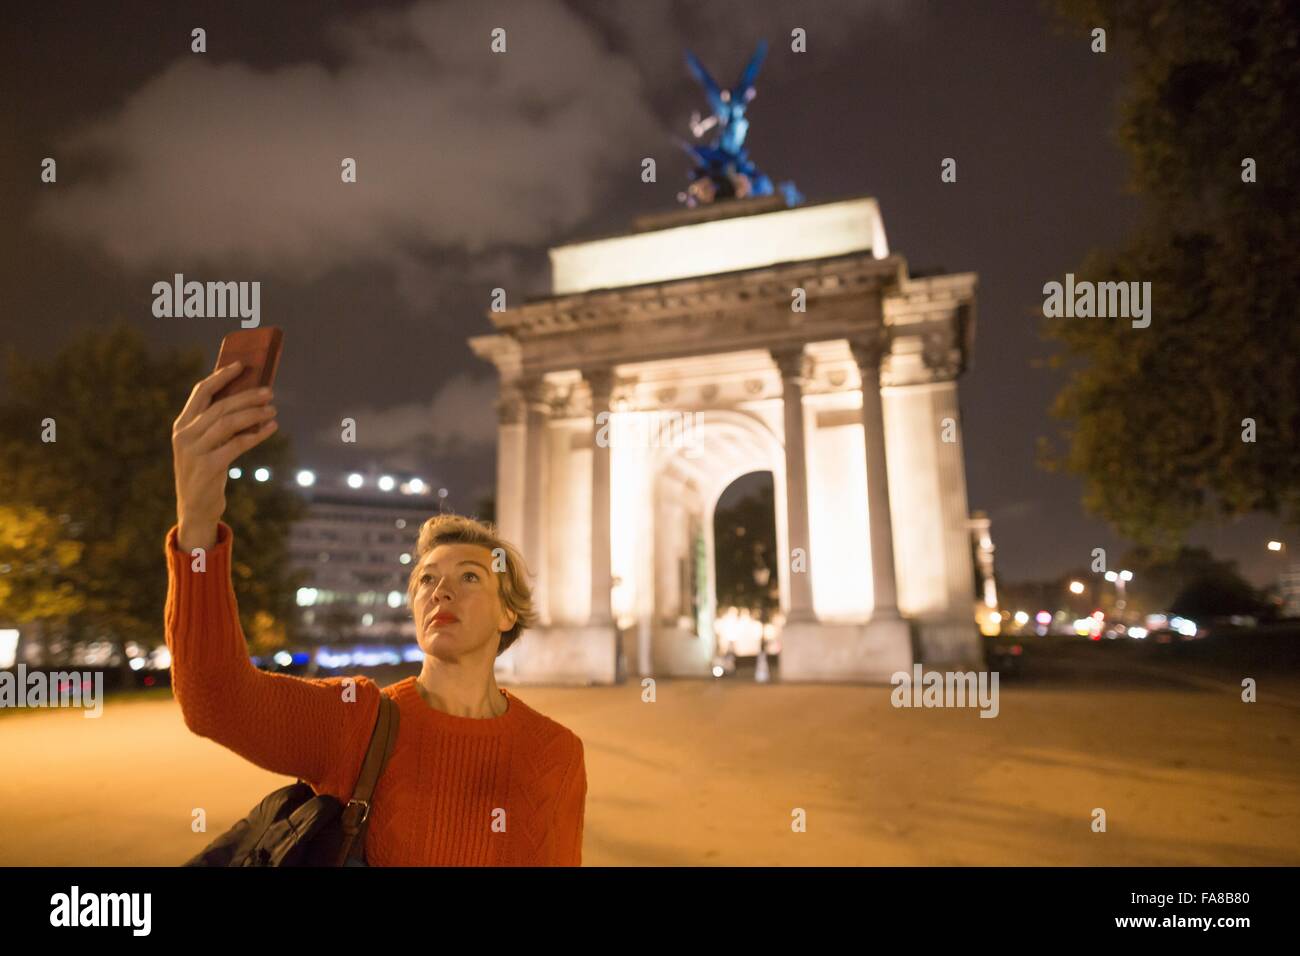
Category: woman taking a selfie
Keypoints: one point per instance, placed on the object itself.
(477, 777)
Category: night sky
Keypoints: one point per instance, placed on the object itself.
(225, 166)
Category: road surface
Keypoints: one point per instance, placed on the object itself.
(714, 773)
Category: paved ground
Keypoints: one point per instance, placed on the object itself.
(711, 772)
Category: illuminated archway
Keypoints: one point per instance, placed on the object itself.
(850, 403)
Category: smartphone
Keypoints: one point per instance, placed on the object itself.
(259, 350)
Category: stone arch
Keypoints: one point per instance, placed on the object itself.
(686, 490)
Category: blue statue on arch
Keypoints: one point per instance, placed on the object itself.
(723, 169)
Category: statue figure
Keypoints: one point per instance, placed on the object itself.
(723, 169)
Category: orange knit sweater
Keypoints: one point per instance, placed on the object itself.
(457, 791)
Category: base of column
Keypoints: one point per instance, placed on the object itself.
(567, 654)
(800, 616)
(950, 644)
(867, 653)
(675, 651)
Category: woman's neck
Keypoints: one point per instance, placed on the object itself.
(460, 697)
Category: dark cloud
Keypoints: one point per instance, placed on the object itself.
(460, 415)
(723, 33)
(222, 163)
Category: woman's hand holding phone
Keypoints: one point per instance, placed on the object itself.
(205, 441)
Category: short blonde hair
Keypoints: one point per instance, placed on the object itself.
(512, 583)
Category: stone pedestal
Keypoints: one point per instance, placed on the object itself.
(950, 644)
(824, 651)
(572, 655)
(678, 652)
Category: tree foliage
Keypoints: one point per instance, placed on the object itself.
(1155, 418)
(745, 538)
(34, 554)
(91, 507)
(1188, 581)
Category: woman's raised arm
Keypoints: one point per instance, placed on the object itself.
(316, 729)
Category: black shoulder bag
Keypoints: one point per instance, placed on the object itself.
(296, 827)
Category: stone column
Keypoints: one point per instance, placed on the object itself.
(600, 381)
(952, 497)
(537, 416)
(793, 364)
(983, 545)
(510, 462)
(955, 639)
(868, 350)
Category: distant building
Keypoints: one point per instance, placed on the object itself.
(987, 614)
(356, 545)
(1289, 586)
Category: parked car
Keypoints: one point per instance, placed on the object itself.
(1004, 654)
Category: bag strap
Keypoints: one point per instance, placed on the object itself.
(356, 813)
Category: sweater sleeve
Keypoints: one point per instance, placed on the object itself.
(316, 729)
(570, 811)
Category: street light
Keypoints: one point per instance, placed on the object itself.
(1076, 587)
(1120, 580)
(762, 574)
(1286, 579)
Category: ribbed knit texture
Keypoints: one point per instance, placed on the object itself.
(457, 791)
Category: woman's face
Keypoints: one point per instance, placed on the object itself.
(457, 605)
